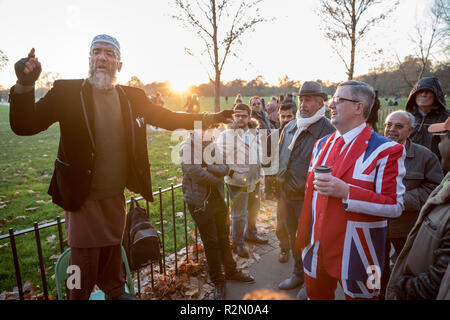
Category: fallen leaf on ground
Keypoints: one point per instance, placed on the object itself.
(31, 209)
(192, 292)
(179, 214)
(43, 201)
(51, 238)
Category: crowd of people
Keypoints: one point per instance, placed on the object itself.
(350, 201)
(366, 210)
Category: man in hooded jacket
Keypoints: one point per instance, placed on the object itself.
(426, 102)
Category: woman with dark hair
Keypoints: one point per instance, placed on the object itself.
(259, 114)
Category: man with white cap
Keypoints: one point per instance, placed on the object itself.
(102, 150)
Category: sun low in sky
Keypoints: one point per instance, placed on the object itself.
(153, 44)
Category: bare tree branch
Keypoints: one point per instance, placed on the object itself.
(213, 17)
(3, 59)
(344, 20)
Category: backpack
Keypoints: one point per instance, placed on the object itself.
(140, 240)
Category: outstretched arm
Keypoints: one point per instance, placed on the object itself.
(26, 116)
(164, 118)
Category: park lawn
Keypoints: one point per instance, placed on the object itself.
(26, 167)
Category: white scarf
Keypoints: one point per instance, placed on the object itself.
(304, 123)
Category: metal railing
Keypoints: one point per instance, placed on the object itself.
(162, 263)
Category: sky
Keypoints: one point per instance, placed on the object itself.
(153, 43)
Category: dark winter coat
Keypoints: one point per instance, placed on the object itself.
(422, 268)
(420, 133)
(262, 119)
(293, 177)
(70, 102)
(198, 177)
(423, 175)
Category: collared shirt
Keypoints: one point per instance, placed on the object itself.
(350, 136)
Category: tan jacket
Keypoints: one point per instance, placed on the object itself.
(420, 250)
(241, 157)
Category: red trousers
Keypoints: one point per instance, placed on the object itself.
(323, 286)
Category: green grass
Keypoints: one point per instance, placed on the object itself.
(26, 166)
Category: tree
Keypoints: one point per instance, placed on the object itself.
(44, 83)
(288, 85)
(220, 24)
(429, 33)
(135, 82)
(441, 8)
(47, 79)
(3, 59)
(346, 24)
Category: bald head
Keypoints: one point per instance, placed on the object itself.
(398, 126)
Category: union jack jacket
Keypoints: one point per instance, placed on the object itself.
(351, 233)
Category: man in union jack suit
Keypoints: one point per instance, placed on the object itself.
(343, 223)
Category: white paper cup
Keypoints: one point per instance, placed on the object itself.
(322, 171)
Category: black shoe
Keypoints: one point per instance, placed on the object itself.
(126, 296)
(219, 291)
(257, 239)
(242, 251)
(284, 256)
(239, 276)
(301, 295)
(292, 282)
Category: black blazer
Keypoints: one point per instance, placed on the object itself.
(70, 103)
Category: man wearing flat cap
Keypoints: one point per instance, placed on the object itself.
(296, 145)
(102, 150)
(422, 270)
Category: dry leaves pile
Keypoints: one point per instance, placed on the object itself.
(30, 292)
(191, 282)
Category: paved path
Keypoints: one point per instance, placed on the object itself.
(268, 271)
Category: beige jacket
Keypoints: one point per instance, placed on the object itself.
(244, 158)
(427, 235)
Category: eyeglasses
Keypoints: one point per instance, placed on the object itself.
(256, 104)
(396, 126)
(243, 116)
(339, 100)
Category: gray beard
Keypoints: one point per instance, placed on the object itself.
(102, 80)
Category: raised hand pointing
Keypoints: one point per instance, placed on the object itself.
(28, 69)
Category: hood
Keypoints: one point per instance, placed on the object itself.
(252, 124)
(430, 83)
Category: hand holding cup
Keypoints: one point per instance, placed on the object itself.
(328, 185)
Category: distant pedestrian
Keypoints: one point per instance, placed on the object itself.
(373, 116)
